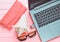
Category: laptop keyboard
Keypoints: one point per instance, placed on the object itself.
(48, 15)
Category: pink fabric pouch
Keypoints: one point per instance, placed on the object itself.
(13, 15)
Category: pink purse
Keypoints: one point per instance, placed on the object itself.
(13, 15)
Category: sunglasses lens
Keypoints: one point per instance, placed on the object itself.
(32, 34)
(21, 38)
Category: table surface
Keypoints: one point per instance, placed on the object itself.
(5, 32)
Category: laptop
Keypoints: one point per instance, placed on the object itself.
(46, 17)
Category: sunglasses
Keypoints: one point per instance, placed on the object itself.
(24, 34)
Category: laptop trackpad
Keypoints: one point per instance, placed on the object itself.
(49, 31)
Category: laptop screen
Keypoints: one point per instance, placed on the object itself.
(34, 3)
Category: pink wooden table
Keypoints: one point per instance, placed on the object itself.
(10, 36)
